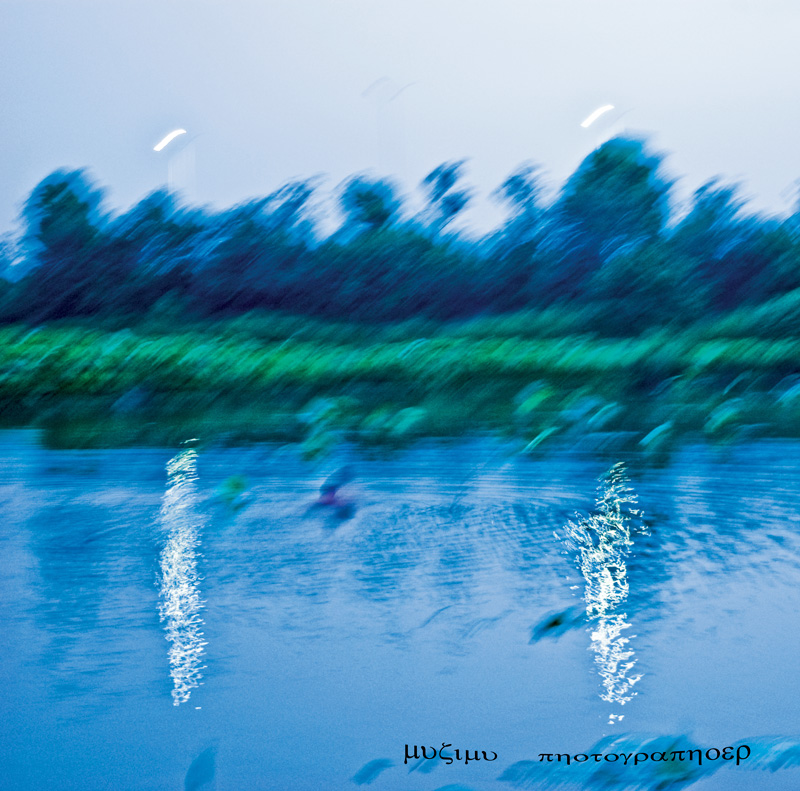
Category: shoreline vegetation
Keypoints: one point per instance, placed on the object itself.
(606, 316)
(267, 377)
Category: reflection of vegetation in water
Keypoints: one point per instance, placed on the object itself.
(602, 542)
(180, 596)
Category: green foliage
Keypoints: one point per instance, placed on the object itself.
(84, 360)
(326, 386)
(775, 319)
(603, 256)
(622, 322)
(445, 201)
(617, 195)
(371, 203)
(646, 286)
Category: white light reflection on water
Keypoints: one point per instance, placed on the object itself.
(602, 543)
(180, 596)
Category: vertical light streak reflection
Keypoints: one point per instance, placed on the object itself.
(602, 543)
(180, 601)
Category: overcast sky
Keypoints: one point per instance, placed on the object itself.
(275, 90)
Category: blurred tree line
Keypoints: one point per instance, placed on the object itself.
(606, 248)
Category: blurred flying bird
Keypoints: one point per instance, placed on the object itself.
(329, 493)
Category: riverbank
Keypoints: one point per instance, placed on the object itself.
(284, 378)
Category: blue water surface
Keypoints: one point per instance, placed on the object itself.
(149, 621)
